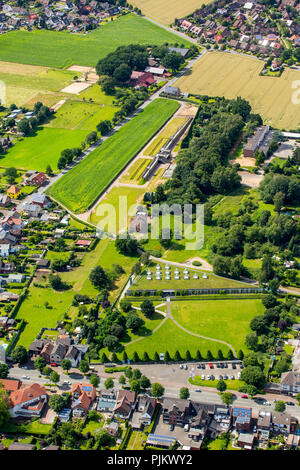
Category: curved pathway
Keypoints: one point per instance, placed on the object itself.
(169, 315)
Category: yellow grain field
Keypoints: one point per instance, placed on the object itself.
(232, 75)
(166, 12)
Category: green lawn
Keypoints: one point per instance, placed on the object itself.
(81, 186)
(33, 308)
(227, 320)
(34, 427)
(212, 280)
(62, 49)
(169, 337)
(44, 147)
(231, 384)
(136, 441)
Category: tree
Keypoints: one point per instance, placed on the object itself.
(4, 413)
(125, 305)
(66, 364)
(91, 138)
(134, 322)
(49, 171)
(128, 373)
(111, 342)
(230, 355)
(104, 358)
(94, 379)
(104, 127)
(136, 374)
(99, 278)
(220, 355)
(221, 385)
(11, 174)
(19, 354)
(251, 390)
(227, 398)
(39, 363)
(253, 375)
(157, 390)
(280, 406)
(23, 127)
(167, 356)
(84, 366)
(122, 73)
(109, 383)
(251, 341)
(279, 199)
(209, 355)
(57, 402)
(298, 398)
(147, 308)
(54, 377)
(135, 357)
(240, 355)
(177, 356)
(122, 379)
(184, 393)
(102, 439)
(135, 386)
(172, 61)
(144, 382)
(156, 357)
(3, 371)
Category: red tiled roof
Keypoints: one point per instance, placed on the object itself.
(27, 393)
(10, 385)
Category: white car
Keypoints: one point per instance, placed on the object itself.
(202, 377)
(25, 377)
(208, 377)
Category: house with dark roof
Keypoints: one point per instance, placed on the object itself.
(290, 383)
(126, 402)
(74, 355)
(58, 353)
(144, 411)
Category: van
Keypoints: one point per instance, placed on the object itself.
(186, 427)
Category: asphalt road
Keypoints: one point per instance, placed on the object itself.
(169, 375)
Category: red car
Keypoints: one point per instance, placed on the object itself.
(244, 396)
(210, 365)
(53, 364)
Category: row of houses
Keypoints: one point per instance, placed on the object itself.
(248, 26)
(201, 419)
(74, 17)
(55, 351)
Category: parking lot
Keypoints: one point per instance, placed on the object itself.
(215, 370)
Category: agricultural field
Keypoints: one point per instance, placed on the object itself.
(164, 136)
(226, 320)
(63, 49)
(25, 84)
(233, 75)
(163, 340)
(82, 185)
(80, 112)
(166, 12)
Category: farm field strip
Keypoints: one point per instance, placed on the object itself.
(82, 185)
(232, 75)
(166, 12)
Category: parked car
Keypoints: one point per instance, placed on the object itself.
(244, 396)
(221, 365)
(202, 377)
(220, 377)
(290, 403)
(203, 366)
(25, 377)
(172, 427)
(197, 390)
(225, 377)
(238, 375)
(210, 365)
(208, 377)
(181, 366)
(232, 377)
(233, 366)
(53, 364)
(225, 365)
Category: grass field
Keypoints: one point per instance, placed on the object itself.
(232, 75)
(212, 281)
(116, 224)
(227, 320)
(27, 86)
(81, 186)
(166, 12)
(35, 152)
(164, 136)
(163, 340)
(33, 309)
(63, 49)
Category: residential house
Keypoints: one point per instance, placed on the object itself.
(4, 250)
(21, 446)
(112, 428)
(172, 91)
(46, 352)
(4, 200)
(74, 355)
(83, 395)
(290, 383)
(41, 200)
(144, 411)
(106, 401)
(264, 424)
(283, 423)
(16, 278)
(10, 385)
(36, 347)
(141, 79)
(37, 179)
(126, 402)
(242, 418)
(13, 192)
(58, 353)
(28, 401)
(246, 441)
(256, 142)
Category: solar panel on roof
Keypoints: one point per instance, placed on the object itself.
(86, 388)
